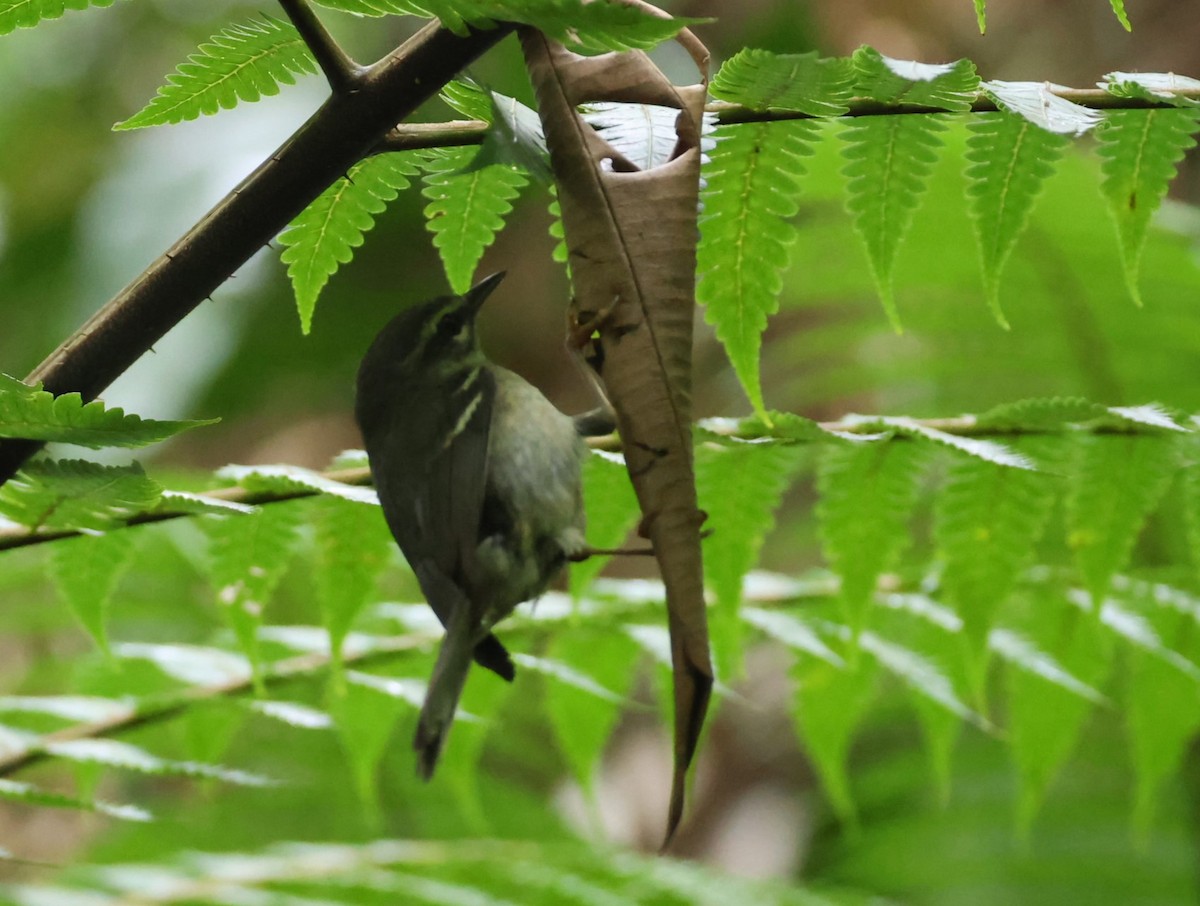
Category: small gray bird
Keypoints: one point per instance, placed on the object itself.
(479, 478)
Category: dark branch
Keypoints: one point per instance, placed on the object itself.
(340, 134)
(342, 73)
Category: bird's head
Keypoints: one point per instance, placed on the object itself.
(429, 342)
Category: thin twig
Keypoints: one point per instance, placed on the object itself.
(414, 136)
(342, 73)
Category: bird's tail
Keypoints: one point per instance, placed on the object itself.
(445, 688)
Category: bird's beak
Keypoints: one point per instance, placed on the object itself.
(478, 293)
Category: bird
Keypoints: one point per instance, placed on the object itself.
(479, 480)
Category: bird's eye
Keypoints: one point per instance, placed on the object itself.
(451, 326)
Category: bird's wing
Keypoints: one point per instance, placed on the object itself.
(433, 508)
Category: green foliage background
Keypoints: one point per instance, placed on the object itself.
(931, 762)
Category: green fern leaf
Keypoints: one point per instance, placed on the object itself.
(866, 494)
(76, 495)
(364, 711)
(35, 414)
(247, 558)
(352, 546)
(324, 235)
(116, 754)
(1152, 86)
(1118, 7)
(284, 478)
(793, 632)
(195, 665)
(1141, 150)
(1161, 706)
(807, 82)
(1162, 716)
(948, 86)
(468, 98)
(1137, 632)
(830, 704)
(740, 488)
(1021, 654)
(241, 63)
(987, 521)
(86, 572)
(28, 13)
(591, 27)
(73, 708)
(1118, 481)
(1044, 718)
(612, 512)
(583, 718)
(1040, 414)
(467, 208)
(15, 791)
(922, 675)
(1010, 159)
(752, 193)
(980, 448)
(558, 233)
(981, 15)
(889, 162)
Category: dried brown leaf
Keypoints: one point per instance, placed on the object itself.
(631, 239)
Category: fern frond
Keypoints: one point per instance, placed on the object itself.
(1140, 151)
(352, 546)
(981, 15)
(612, 512)
(889, 160)
(195, 665)
(739, 487)
(1045, 718)
(116, 754)
(866, 494)
(468, 98)
(247, 557)
(15, 791)
(1009, 159)
(980, 448)
(324, 235)
(1040, 414)
(34, 414)
(987, 521)
(364, 710)
(752, 191)
(467, 209)
(807, 82)
(1119, 479)
(241, 63)
(1118, 8)
(283, 479)
(830, 704)
(86, 572)
(584, 708)
(28, 13)
(947, 86)
(590, 27)
(77, 495)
